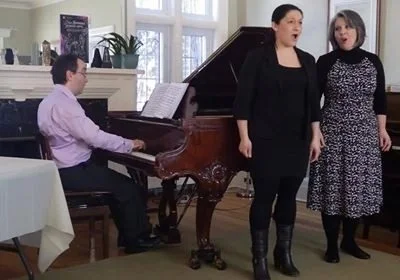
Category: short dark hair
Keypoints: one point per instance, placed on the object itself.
(64, 63)
(353, 20)
(280, 12)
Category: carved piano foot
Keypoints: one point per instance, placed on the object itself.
(168, 236)
(219, 263)
(207, 255)
(194, 261)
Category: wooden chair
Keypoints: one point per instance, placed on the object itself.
(85, 207)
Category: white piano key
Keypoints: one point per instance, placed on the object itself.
(397, 148)
(144, 156)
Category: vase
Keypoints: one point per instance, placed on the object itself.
(130, 61)
(106, 59)
(117, 61)
(97, 62)
(46, 53)
(9, 56)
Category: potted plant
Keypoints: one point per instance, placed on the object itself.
(126, 47)
(131, 56)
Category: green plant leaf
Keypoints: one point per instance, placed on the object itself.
(119, 43)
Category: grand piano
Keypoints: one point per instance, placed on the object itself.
(200, 142)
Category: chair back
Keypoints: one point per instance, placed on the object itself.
(44, 147)
(75, 199)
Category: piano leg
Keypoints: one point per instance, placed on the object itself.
(206, 252)
(168, 224)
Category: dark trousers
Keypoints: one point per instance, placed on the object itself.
(126, 204)
(266, 188)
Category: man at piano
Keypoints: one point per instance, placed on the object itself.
(72, 136)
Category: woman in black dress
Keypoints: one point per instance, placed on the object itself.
(277, 112)
(346, 182)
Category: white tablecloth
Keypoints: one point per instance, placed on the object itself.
(33, 207)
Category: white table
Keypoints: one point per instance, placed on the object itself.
(33, 207)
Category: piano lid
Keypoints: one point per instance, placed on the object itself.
(215, 80)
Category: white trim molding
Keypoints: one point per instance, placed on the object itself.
(21, 82)
(42, 3)
(27, 4)
(16, 4)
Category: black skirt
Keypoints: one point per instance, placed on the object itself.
(273, 157)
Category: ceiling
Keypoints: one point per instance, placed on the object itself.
(26, 4)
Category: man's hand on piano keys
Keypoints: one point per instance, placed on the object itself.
(138, 145)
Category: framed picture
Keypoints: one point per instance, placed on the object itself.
(369, 10)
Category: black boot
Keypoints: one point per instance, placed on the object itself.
(259, 250)
(282, 252)
(331, 225)
(348, 244)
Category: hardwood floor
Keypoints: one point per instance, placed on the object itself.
(231, 206)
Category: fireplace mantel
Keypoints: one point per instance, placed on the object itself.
(21, 82)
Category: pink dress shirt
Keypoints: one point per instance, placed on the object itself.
(71, 134)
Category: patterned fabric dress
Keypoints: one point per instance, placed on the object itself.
(347, 178)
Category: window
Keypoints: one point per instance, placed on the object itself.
(197, 7)
(196, 47)
(178, 35)
(152, 7)
(153, 60)
(150, 4)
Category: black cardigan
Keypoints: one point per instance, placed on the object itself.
(258, 84)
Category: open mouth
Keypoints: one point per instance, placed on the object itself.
(295, 36)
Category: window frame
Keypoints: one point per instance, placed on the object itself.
(165, 9)
(209, 12)
(165, 60)
(208, 33)
(177, 21)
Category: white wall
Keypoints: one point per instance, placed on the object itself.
(314, 37)
(390, 40)
(46, 20)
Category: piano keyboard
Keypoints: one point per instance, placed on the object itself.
(144, 156)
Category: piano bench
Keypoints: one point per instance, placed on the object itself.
(91, 207)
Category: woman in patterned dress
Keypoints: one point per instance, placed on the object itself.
(346, 182)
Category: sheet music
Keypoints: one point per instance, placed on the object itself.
(164, 100)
